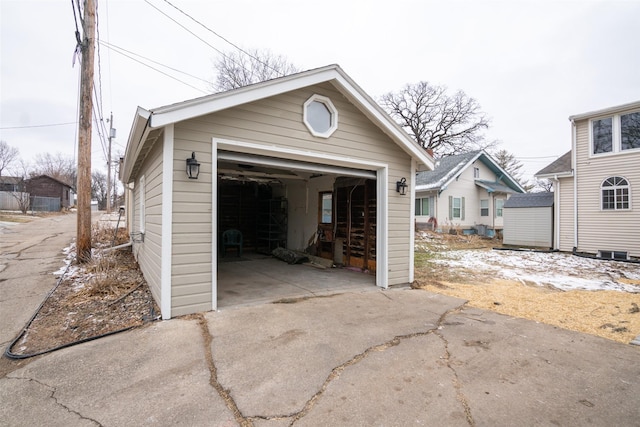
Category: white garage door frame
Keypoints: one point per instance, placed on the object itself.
(303, 160)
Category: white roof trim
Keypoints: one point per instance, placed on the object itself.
(134, 144)
(605, 111)
(556, 175)
(457, 172)
(333, 73)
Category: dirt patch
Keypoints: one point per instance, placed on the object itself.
(103, 296)
(531, 285)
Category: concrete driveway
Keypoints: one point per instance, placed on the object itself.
(376, 358)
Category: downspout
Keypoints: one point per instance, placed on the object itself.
(556, 213)
(412, 221)
(575, 185)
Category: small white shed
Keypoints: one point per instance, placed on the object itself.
(528, 220)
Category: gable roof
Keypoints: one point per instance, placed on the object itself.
(50, 178)
(449, 168)
(559, 167)
(10, 180)
(145, 121)
(530, 200)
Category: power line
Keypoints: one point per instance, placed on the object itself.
(206, 42)
(99, 85)
(39, 126)
(114, 47)
(159, 71)
(221, 37)
(186, 29)
(536, 158)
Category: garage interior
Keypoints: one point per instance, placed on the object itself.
(327, 212)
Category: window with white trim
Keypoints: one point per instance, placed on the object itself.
(615, 193)
(320, 116)
(425, 206)
(615, 134)
(484, 207)
(456, 208)
(499, 207)
(326, 207)
(142, 203)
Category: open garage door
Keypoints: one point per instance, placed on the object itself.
(329, 211)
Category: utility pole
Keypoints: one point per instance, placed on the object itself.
(112, 134)
(83, 239)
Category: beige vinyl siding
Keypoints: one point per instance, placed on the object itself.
(191, 277)
(528, 226)
(148, 252)
(564, 203)
(598, 229)
(276, 121)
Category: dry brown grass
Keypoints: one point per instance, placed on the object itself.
(609, 314)
(104, 295)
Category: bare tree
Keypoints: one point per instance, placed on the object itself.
(8, 155)
(444, 124)
(58, 166)
(20, 194)
(242, 68)
(542, 185)
(99, 188)
(512, 166)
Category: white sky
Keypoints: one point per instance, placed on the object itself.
(530, 64)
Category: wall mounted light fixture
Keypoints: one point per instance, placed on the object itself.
(193, 167)
(401, 186)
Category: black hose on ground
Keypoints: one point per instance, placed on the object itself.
(12, 355)
(544, 251)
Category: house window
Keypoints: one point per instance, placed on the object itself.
(615, 134)
(424, 206)
(630, 131)
(320, 116)
(615, 193)
(326, 207)
(456, 208)
(484, 207)
(499, 207)
(142, 204)
(476, 172)
(602, 135)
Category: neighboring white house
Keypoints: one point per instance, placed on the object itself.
(597, 184)
(464, 191)
(286, 161)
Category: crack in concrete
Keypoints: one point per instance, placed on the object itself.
(337, 371)
(457, 384)
(213, 378)
(55, 399)
(247, 421)
(18, 254)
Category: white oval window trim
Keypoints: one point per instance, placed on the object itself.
(314, 118)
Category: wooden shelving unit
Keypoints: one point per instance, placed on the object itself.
(272, 225)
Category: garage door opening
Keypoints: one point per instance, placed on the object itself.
(330, 214)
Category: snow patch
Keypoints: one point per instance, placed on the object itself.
(560, 270)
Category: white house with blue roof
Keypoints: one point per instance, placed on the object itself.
(466, 191)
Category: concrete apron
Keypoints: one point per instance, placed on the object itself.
(393, 358)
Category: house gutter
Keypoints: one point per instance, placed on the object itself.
(575, 184)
